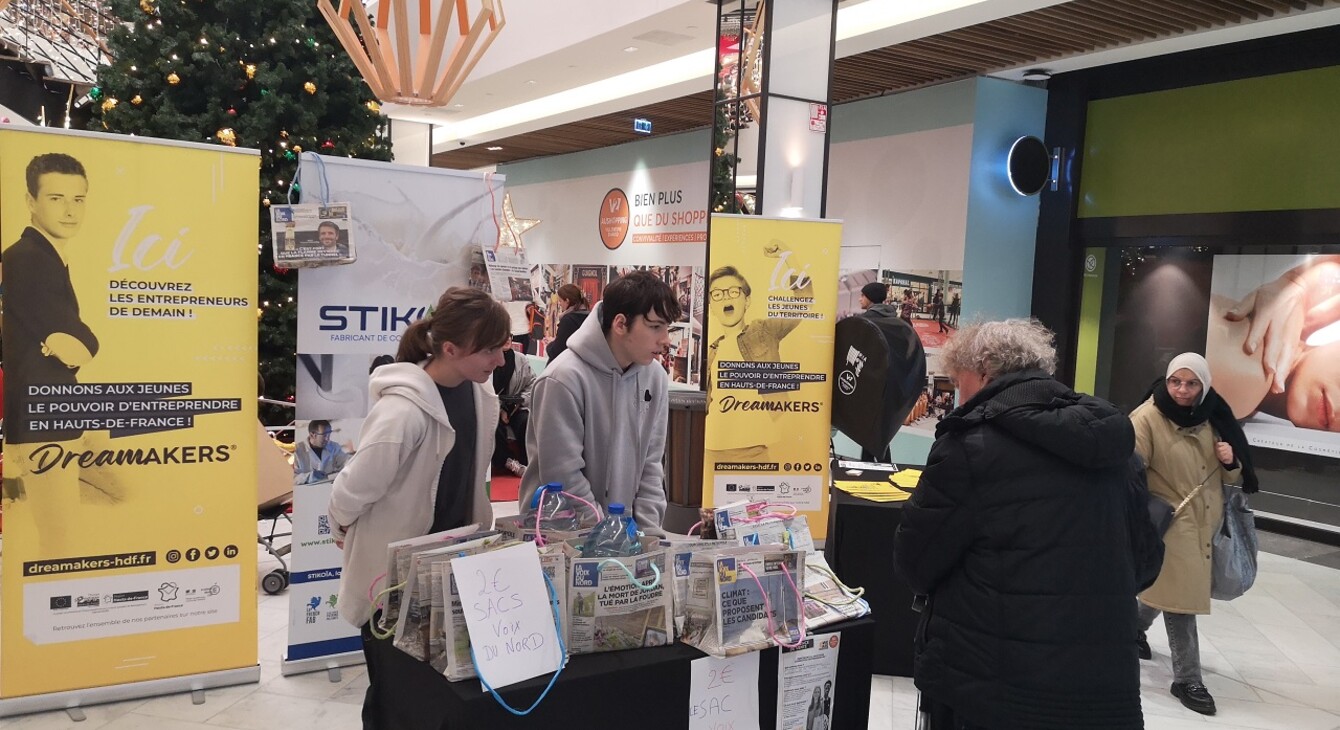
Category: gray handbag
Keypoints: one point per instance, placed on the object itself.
(1234, 565)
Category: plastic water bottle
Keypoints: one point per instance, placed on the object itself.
(555, 510)
(614, 537)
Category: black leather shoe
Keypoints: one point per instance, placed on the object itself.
(1194, 697)
(1142, 644)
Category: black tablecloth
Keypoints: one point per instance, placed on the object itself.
(860, 550)
(639, 688)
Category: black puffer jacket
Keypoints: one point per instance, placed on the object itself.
(1018, 534)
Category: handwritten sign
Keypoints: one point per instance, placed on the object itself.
(723, 693)
(507, 614)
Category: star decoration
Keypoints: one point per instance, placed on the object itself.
(512, 228)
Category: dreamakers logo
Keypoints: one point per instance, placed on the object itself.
(46, 457)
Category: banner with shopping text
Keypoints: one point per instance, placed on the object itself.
(771, 303)
(129, 345)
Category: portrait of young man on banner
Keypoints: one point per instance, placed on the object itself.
(770, 299)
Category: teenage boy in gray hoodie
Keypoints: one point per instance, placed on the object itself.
(599, 411)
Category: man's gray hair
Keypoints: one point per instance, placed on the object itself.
(1000, 348)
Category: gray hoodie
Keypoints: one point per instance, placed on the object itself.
(600, 430)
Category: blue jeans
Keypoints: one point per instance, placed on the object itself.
(1183, 641)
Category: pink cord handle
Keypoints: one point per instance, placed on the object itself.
(697, 525)
(544, 492)
(768, 515)
(767, 606)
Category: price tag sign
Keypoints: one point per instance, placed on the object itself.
(508, 614)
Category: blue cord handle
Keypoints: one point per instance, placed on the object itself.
(563, 649)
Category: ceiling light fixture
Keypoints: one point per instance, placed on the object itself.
(420, 69)
(1036, 74)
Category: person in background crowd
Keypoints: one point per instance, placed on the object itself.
(318, 458)
(1191, 445)
(955, 305)
(575, 308)
(909, 307)
(874, 293)
(599, 413)
(534, 328)
(938, 309)
(512, 382)
(423, 453)
(1018, 535)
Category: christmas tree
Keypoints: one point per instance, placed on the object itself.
(267, 75)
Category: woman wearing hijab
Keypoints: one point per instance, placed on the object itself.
(1191, 445)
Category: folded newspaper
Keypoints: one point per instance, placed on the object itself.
(726, 612)
(608, 611)
(413, 629)
(397, 564)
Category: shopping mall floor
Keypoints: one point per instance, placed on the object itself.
(1271, 660)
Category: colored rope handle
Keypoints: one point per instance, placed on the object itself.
(854, 594)
(544, 490)
(562, 650)
(767, 606)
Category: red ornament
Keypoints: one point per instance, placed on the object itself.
(328, 145)
(232, 112)
(280, 269)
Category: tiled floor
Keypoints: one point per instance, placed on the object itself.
(1271, 658)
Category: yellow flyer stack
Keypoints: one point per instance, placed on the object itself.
(771, 302)
(129, 334)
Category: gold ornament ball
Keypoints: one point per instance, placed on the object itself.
(309, 87)
(251, 70)
(283, 134)
(374, 107)
(719, 152)
(173, 78)
(109, 104)
(297, 148)
(136, 100)
(227, 136)
(147, 6)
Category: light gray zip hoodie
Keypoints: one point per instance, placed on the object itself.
(600, 430)
(388, 491)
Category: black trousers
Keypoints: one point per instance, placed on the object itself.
(372, 660)
(519, 421)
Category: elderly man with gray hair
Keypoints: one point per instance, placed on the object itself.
(1018, 536)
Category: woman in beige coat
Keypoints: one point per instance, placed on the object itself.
(1191, 445)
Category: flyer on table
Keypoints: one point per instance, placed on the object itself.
(771, 298)
(129, 335)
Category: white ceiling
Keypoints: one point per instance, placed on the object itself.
(560, 62)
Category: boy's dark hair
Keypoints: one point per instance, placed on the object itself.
(56, 162)
(729, 271)
(332, 224)
(317, 425)
(637, 293)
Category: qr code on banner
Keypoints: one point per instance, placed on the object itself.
(323, 524)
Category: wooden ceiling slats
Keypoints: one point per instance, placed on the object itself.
(1054, 32)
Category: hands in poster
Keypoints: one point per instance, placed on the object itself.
(1263, 352)
(1283, 313)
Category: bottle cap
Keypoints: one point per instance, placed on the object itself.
(616, 508)
(550, 487)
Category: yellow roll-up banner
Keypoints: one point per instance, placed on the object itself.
(771, 303)
(129, 356)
